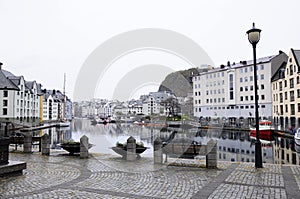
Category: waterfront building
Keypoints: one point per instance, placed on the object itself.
(19, 99)
(286, 92)
(227, 94)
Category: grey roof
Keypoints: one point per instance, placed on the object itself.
(296, 55)
(7, 73)
(15, 79)
(5, 83)
(271, 58)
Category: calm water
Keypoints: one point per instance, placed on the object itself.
(232, 145)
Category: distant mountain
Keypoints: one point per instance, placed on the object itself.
(179, 82)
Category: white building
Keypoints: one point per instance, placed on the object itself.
(227, 92)
(18, 99)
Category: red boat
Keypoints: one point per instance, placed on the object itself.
(265, 130)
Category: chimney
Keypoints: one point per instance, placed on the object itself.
(1, 66)
(280, 52)
(228, 63)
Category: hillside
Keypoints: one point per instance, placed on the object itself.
(179, 82)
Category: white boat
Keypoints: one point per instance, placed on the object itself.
(297, 136)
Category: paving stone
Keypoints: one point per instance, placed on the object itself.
(106, 176)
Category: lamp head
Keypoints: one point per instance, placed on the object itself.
(254, 35)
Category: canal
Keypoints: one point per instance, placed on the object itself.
(234, 146)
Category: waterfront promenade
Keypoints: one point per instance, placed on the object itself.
(109, 176)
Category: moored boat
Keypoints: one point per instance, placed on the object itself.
(265, 130)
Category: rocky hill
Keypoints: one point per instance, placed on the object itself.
(179, 82)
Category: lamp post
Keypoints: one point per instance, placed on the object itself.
(253, 37)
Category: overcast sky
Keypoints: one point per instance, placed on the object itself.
(42, 40)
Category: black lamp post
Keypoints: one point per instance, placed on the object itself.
(253, 37)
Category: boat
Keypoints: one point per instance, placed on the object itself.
(297, 136)
(63, 121)
(265, 130)
(63, 124)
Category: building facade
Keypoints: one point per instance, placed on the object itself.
(227, 93)
(19, 99)
(286, 92)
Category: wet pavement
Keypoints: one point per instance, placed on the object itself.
(107, 176)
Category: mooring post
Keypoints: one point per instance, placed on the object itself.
(45, 144)
(84, 147)
(157, 151)
(131, 149)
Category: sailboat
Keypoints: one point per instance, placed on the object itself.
(64, 122)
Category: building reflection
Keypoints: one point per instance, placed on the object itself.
(286, 151)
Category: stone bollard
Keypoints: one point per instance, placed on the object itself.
(157, 151)
(84, 147)
(131, 149)
(211, 157)
(45, 144)
(27, 146)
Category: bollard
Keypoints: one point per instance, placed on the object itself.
(211, 157)
(27, 143)
(84, 147)
(131, 149)
(45, 144)
(157, 151)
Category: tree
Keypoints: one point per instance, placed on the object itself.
(171, 105)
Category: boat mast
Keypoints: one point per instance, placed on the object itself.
(64, 102)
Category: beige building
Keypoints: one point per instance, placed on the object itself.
(286, 92)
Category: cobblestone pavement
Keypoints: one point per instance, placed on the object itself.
(107, 176)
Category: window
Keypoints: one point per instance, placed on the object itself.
(291, 70)
(251, 78)
(5, 93)
(280, 86)
(292, 109)
(251, 97)
(262, 76)
(246, 70)
(285, 96)
(247, 98)
(241, 79)
(4, 111)
(298, 107)
(298, 80)
(262, 86)
(246, 79)
(262, 97)
(292, 97)
(281, 97)
(5, 103)
(262, 67)
(241, 89)
(241, 70)
(285, 83)
(292, 83)
(231, 96)
(241, 98)
(251, 88)
(286, 108)
(246, 88)
(298, 93)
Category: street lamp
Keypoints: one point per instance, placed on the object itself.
(253, 37)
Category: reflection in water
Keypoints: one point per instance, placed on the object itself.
(232, 145)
